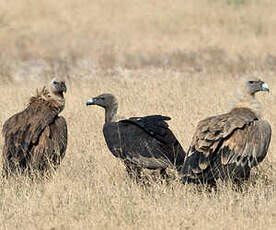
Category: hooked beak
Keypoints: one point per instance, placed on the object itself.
(63, 86)
(265, 87)
(90, 101)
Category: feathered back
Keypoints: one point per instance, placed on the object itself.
(22, 131)
(213, 129)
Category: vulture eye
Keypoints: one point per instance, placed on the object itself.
(250, 82)
(55, 82)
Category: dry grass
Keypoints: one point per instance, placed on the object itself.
(92, 191)
(177, 59)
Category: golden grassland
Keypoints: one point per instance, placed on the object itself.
(91, 189)
(184, 60)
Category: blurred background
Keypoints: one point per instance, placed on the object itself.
(82, 38)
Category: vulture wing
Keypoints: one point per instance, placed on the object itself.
(145, 141)
(22, 131)
(155, 126)
(51, 147)
(230, 143)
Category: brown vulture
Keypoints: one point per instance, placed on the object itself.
(36, 138)
(141, 142)
(227, 146)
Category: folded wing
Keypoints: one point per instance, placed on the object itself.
(145, 141)
(227, 145)
(32, 137)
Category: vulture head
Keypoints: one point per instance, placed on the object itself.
(104, 100)
(52, 94)
(246, 94)
(57, 87)
(255, 86)
(108, 102)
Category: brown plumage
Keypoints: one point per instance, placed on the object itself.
(227, 146)
(36, 138)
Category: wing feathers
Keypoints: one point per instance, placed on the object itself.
(145, 141)
(236, 138)
(28, 134)
(155, 125)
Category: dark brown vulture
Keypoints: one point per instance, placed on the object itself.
(141, 142)
(36, 138)
(227, 146)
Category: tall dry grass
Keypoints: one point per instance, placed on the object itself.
(183, 59)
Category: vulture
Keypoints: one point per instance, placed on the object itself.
(225, 147)
(35, 139)
(140, 142)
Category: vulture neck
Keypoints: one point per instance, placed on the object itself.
(55, 101)
(249, 101)
(110, 113)
(59, 99)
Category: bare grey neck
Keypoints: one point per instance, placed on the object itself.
(111, 112)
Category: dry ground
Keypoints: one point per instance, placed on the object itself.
(183, 60)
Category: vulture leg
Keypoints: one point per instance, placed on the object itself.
(13, 166)
(7, 169)
(164, 174)
(243, 174)
(188, 180)
(133, 171)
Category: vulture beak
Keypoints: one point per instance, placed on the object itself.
(63, 86)
(265, 87)
(90, 101)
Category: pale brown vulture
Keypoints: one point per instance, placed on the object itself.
(141, 142)
(36, 138)
(227, 146)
